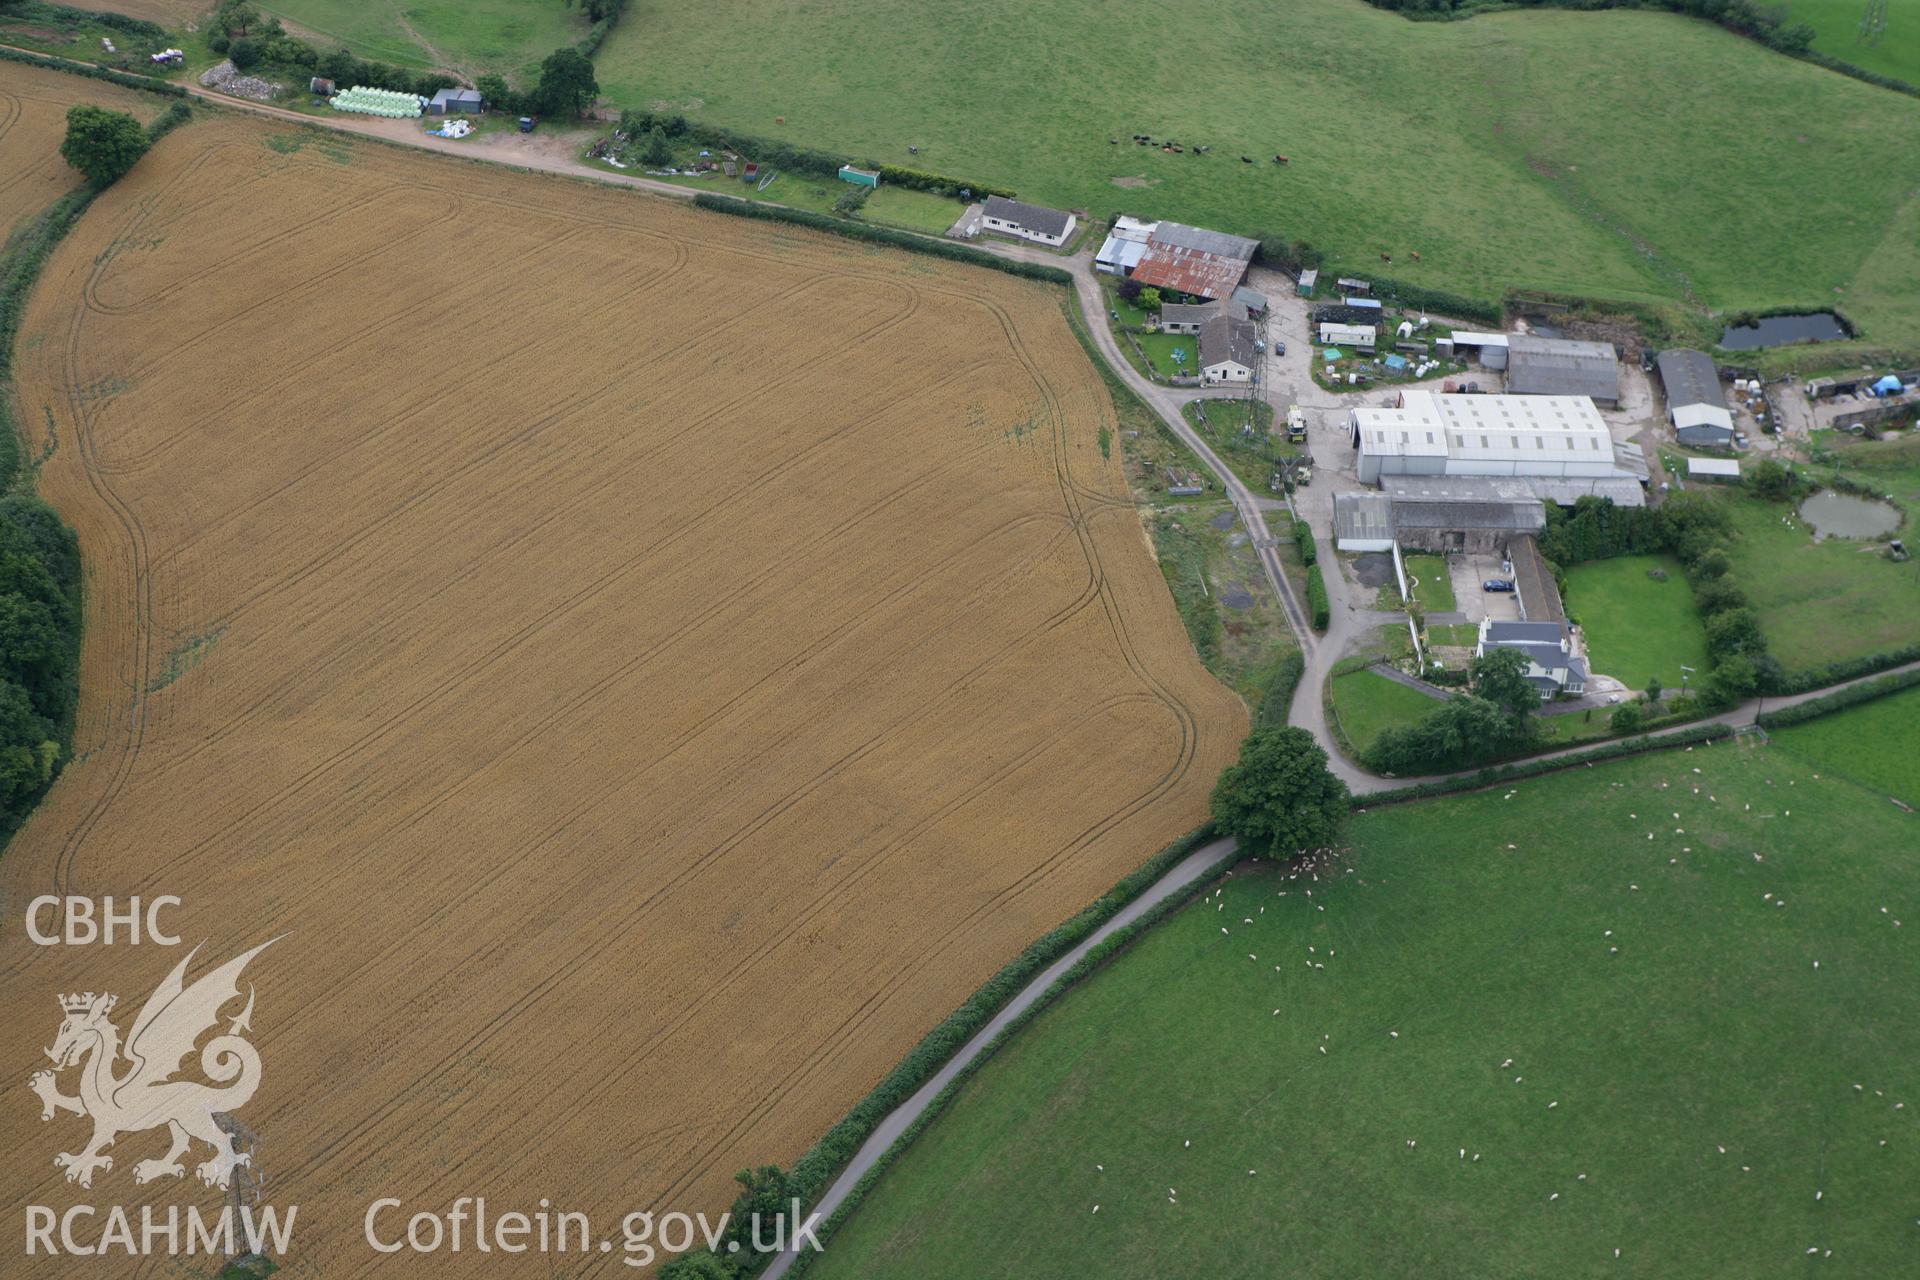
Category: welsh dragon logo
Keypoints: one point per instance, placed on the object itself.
(126, 1089)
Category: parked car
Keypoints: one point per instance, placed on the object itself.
(526, 124)
(1496, 584)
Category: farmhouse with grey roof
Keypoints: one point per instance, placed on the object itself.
(1027, 221)
(1552, 667)
(1227, 350)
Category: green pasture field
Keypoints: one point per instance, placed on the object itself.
(1637, 626)
(1539, 1037)
(1897, 51)
(1876, 744)
(1819, 602)
(1368, 704)
(467, 37)
(1542, 150)
(1888, 467)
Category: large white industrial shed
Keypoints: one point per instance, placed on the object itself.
(1427, 433)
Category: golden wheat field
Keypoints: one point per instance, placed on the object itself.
(33, 120)
(646, 668)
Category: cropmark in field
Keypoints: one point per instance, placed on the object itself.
(646, 668)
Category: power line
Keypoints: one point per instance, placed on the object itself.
(1873, 23)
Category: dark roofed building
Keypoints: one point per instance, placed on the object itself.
(1186, 317)
(1412, 515)
(1557, 367)
(1481, 514)
(1534, 584)
(1027, 221)
(449, 102)
(1696, 405)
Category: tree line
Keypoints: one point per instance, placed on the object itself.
(39, 650)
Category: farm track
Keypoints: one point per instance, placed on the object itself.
(572, 623)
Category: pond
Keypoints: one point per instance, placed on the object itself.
(1841, 515)
(1778, 331)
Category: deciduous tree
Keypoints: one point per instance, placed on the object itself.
(102, 144)
(1279, 799)
(567, 86)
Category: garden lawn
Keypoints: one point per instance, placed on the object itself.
(1819, 602)
(914, 210)
(1440, 1065)
(1368, 704)
(1637, 627)
(1433, 586)
(1876, 744)
(1159, 348)
(1520, 149)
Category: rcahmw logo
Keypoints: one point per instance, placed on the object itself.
(133, 1086)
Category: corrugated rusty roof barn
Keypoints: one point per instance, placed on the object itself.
(1207, 264)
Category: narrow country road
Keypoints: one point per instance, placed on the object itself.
(1198, 865)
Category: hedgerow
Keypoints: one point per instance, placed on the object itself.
(1551, 764)
(1272, 711)
(1848, 669)
(1303, 538)
(111, 76)
(1838, 700)
(1317, 599)
(736, 207)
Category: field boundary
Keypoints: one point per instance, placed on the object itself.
(1493, 775)
(1840, 672)
(92, 71)
(1103, 951)
(734, 206)
(1827, 704)
(1818, 57)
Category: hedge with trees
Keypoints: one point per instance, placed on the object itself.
(1320, 613)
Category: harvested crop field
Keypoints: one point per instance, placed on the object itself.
(647, 667)
(33, 120)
